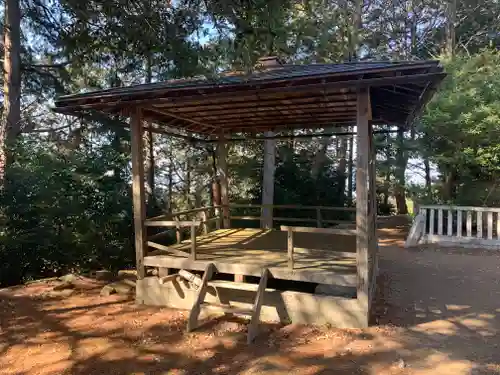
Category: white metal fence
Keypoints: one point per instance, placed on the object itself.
(476, 226)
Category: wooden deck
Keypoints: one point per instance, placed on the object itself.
(320, 258)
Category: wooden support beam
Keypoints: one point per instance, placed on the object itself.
(202, 292)
(138, 192)
(171, 223)
(290, 247)
(342, 232)
(362, 202)
(257, 306)
(373, 246)
(268, 181)
(296, 136)
(161, 247)
(223, 179)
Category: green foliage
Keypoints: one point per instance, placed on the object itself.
(64, 212)
(461, 122)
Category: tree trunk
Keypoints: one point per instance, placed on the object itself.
(451, 16)
(342, 166)
(170, 186)
(358, 25)
(428, 181)
(449, 186)
(187, 190)
(320, 157)
(149, 168)
(401, 161)
(10, 126)
(268, 180)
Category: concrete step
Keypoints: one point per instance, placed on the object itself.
(227, 309)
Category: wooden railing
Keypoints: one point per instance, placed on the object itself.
(290, 239)
(458, 224)
(204, 216)
(316, 214)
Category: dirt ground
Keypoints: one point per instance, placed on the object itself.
(438, 312)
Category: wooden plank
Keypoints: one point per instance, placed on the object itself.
(168, 278)
(171, 223)
(292, 219)
(292, 206)
(222, 173)
(257, 306)
(167, 248)
(139, 197)
(479, 226)
(490, 225)
(440, 221)
(432, 221)
(469, 223)
(450, 223)
(290, 248)
(331, 252)
(193, 241)
(460, 223)
(347, 232)
(312, 274)
(362, 201)
(191, 211)
(202, 292)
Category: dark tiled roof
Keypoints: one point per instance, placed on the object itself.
(277, 97)
(275, 73)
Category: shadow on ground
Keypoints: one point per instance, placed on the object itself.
(437, 313)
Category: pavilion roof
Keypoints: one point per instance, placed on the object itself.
(272, 98)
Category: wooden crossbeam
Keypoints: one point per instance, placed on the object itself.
(200, 297)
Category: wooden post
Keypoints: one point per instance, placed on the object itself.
(319, 223)
(440, 221)
(479, 225)
(373, 247)
(268, 181)
(204, 218)
(178, 233)
(460, 223)
(490, 225)
(139, 197)
(193, 240)
(431, 222)
(362, 202)
(223, 178)
(290, 248)
(469, 223)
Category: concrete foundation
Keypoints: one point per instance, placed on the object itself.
(279, 306)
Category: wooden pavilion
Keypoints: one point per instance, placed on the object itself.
(273, 269)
